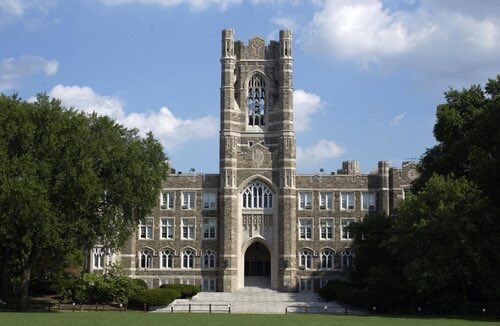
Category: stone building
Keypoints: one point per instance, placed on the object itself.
(257, 219)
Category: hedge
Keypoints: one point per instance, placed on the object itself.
(155, 297)
(186, 290)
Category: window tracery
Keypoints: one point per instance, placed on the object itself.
(257, 195)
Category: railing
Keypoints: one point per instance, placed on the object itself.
(201, 307)
(316, 309)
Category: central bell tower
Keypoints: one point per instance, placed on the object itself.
(257, 145)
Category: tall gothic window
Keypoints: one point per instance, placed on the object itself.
(256, 101)
(257, 195)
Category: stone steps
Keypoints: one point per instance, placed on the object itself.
(253, 300)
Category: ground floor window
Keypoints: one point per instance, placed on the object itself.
(208, 285)
(306, 285)
(347, 258)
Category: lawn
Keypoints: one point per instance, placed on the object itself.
(146, 319)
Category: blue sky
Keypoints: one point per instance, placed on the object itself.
(368, 74)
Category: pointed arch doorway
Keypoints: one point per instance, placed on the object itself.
(257, 266)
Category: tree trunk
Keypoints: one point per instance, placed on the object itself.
(25, 282)
(4, 276)
(464, 298)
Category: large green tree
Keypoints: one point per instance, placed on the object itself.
(444, 234)
(468, 138)
(67, 180)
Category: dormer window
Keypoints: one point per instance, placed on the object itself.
(256, 101)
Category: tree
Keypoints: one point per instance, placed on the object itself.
(376, 269)
(67, 180)
(468, 139)
(443, 234)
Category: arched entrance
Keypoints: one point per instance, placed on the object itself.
(258, 266)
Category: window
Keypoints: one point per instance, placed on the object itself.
(369, 200)
(326, 229)
(146, 228)
(188, 258)
(167, 259)
(188, 200)
(256, 101)
(306, 285)
(257, 195)
(305, 259)
(209, 228)
(208, 259)
(98, 258)
(347, 258)
(145, 258)
(305, 200)
(167, 200)
(347, 200)
(209, 201)
(208, 285)
(167, 228)
(188, 228)
(162, 281)
(325, 200)
(305, 229)
(327, 259)
(323, 282)
(346, 235)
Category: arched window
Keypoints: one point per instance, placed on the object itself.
(167, 259)
(146, 258)
(256, 101)
(98, 258)
(208, 259)
(257, 195)
(188, 258)
(305, 258)
(347, 258)
(327, 259)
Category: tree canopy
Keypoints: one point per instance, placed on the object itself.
(442, 248)
(67, 180)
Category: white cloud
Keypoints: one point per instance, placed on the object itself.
(87, 100)
(173, 131)
(12, 7)
(322, 151)
(448, 39)
(194, 4)
(305, 104)
(169, 129)
(397, 119)
(14, 70)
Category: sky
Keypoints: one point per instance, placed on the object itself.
(368, 74)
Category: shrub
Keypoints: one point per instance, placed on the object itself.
(155, 297)
(331, 290)
(186, 290)
(140, 283)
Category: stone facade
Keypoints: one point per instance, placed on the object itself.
(257, 217)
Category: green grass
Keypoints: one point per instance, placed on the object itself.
(146, 319)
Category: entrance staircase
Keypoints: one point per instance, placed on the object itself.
(254, 299)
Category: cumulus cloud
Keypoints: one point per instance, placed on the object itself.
(322, 151)
(449, 39)
(87, 100)
(305, 105)
(14, 70)
(397, 119)
(194, 4)
(172, 131)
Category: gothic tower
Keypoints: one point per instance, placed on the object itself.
(257, 163)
